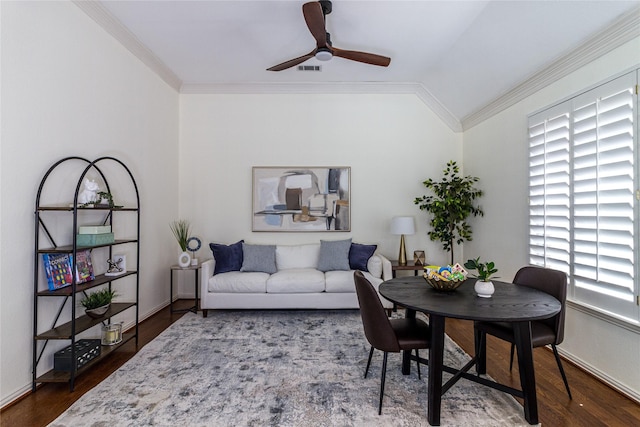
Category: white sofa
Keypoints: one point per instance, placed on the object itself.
(296, 283)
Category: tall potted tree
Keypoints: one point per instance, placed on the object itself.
(451, 203)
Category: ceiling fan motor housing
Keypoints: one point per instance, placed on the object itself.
(326, 6)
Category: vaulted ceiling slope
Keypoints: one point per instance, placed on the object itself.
(467, 60)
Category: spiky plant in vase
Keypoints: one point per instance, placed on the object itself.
(181, 229)
(483, 287)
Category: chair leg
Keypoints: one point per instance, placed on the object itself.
(384, 374)
(564, 377)
(513, 346)
(480, 339)
(418, 363)
(366, 371)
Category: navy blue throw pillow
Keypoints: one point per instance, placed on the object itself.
(228, 257)
(359, 256)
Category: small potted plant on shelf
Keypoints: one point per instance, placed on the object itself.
(483, 287)
(97, 303)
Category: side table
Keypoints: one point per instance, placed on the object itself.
(196, 272)
(410, 266)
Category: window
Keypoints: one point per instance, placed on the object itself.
(583, 195)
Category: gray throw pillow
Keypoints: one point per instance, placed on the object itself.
(334, 255)
(259, 258)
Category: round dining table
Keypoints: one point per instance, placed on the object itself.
(518, 305)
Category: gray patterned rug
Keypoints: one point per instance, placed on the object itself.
(276, 368)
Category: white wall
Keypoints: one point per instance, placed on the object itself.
(68, 88)
(496, 151)
(391, 142)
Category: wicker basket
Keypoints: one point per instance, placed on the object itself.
(444, 286)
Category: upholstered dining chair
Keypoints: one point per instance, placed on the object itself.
(543, 332)
(384, 334)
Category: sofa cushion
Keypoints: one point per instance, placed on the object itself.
(296, 281)
(339, 281)
(259, 258)
(374, 265)
(297, 256)
(334, 255)
(228, 257)
(359, 256)
(238, 282)
(343, 281)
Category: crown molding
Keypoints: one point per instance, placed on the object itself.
(623, 30)
(417, 89)
(626, 28)
(96, 11)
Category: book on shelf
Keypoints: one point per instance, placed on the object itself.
(84, 267)
(58, 269)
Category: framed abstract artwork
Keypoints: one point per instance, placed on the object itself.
(301, 198)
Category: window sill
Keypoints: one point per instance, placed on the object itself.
(607, 317)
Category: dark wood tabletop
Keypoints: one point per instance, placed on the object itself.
(509, 303)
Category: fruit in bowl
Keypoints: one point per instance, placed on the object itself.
(445, 278)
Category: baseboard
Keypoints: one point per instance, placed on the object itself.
(26, 390)
(595, 372)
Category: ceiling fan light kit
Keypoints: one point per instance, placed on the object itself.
(315, 16)
(324, 55)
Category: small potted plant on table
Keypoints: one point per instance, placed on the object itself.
(483, 287)
(97, 303)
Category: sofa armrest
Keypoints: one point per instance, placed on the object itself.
(206, 272)
(387, 271)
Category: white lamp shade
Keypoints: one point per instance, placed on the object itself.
(403, 225)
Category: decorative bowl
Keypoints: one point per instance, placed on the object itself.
(444, 286)
(98, 312)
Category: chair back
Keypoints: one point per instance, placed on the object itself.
(552, 282)
(377, 327)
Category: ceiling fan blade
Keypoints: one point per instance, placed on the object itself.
(292, 62)
(315, 21)
(367, 58)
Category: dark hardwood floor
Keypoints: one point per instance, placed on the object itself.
(593, 404)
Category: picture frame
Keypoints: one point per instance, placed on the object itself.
(301, 198)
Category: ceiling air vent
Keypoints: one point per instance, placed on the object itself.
(309, 68)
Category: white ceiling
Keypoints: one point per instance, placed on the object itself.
(463, 55)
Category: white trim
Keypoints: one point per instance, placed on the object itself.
(417, 89)
(620, 322)
(96, 11)
(602, 376)
(625, 29)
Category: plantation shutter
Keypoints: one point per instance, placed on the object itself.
(549, 186)
(603, 196)
(583, 195)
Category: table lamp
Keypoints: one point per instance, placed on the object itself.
(402, 225)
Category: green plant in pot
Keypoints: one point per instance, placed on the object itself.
(451, 203)
(181, 229)
(97, 303)
(483, 287)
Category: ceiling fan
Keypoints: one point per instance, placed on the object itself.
(314, 15)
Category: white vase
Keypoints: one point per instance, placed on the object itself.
(484, 289)
(184, 259)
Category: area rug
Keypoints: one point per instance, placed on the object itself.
(276, 368)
